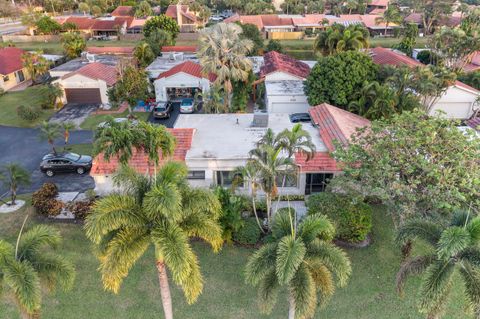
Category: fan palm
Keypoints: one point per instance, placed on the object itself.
(301, 259)
(49, 132)
(14, 175)
(338, 38)
(223, 53)
(454, 249)
(29, 265)
(163, 212)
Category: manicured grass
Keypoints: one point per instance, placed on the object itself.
(93, 120)
(369, 294)
(32, 96)
(83, 149)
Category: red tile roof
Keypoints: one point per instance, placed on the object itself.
(474, 64)
(336, 124)
(109, 25)
(82, 23)
(450, 21)
(110, 50)
(379, 3)
(97, 71)
(188, 67)
(321, 162)
(139, 160)
(275, 61)
(262, 21)
(172, 12)
(179, 48)
(123, 11)
(10, 60)
(474, 123)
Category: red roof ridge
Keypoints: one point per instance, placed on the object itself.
(97, 71)
(274, 61)
(188, 67)
(10, 60)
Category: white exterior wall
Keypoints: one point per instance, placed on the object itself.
(179, 80)
(457, 103)
(79, 81)
(287, 103)
(281, 76)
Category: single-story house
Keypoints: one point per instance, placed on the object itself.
(458, 102)
(284, 77)
(110, 26)
(186, 19)
(212, 157)
(473, 64)
(83, 24)
(80, 62)
(89, 84)
(171, 57)
(182, 80)
(377, 5)
(12, 72)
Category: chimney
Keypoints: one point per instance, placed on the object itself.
(179, 16)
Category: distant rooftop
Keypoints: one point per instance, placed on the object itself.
(75, 64)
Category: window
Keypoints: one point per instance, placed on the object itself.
(196, 175)
(226, 178)
(6, 78)
(317, 182)
(290, 180)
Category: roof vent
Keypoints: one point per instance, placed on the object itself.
(90, 57)
(260, 119)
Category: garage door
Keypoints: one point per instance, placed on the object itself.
(288, 108)
(83, 96)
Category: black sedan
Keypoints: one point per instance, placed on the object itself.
(65, 163)
(300, 117)
(162, 110)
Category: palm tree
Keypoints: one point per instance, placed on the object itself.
(338, 38)
(455, 250)
(351, 5)
(84, 7)
(391, 15)
(223, 53)
(67, 127)
(143, 54)
(300, 258)
(14, 175)
(29, 267)
(49, 132)
(375, 101)
(163, 212)
(35, 64)
(73, 44)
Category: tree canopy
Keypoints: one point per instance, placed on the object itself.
(161, 22)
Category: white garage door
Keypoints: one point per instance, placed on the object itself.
(288, 108)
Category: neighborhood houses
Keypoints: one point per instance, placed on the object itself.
(239, 159)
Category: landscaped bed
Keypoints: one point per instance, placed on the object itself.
(93, 120)
(369, 294)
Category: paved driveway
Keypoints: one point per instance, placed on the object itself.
(75, 113)
(23, 146)
(170, 122)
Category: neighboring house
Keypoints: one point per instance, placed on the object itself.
(450, 21)
(83, 24)
(111, 27)
(171, 57)
(123, 11)
(214, 145)
(376, 6)
(459, 100)
(284, 77)
(474, 63)
(89, 84)
(136, 26)
(265, 22)
(186, 20)
(73, 65)
(12, 72)
(182, 80)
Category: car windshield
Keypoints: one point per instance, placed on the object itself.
(72, 156)
(160, 108)
(187, 102)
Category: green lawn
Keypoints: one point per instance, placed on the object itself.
(32, 96)
(83, 149)
(370, 293)
(93, 120)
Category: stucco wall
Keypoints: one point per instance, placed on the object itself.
(457, 103)
(78, 82)
(179, 80)
(12, 80)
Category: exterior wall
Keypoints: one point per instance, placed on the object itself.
(78, 82)
(179, 80)
(281, 76)
(457, 103)
(12, 80)
(285, 35)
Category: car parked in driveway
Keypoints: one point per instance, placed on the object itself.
(65, 163)
(186, 106)
(162, 110)
(300, 117)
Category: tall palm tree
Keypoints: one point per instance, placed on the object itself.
(49, 132)
(143, 54)
(454, 250)
(14, 175)
(351, 5)
(223, 53)
(30, 266)
(301, 259)
(35, 64)
(391, 15)
(163, 212)
(67, 127)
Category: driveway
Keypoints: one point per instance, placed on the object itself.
(170, 122)
(75, 113)
(23, 146)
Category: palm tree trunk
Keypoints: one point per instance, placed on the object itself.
(291, 307)
(165, 290)
(256, 215)
(13, 190)
(269, 210)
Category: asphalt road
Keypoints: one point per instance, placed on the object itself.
(23, 146)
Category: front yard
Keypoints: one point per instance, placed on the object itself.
(93, 120)
(32, 96)
(369, 294)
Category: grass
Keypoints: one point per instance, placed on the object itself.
(369, 294)
(83, 149)
(32, 96)
(93, 120)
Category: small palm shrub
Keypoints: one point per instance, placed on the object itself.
(351, 216)
(28, 113)
(249, 233)
(44, 200)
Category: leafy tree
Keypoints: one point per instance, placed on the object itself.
(375, 101)
(30, 267)
(389, 16)
(132, 86)
(472, 79)
(143, 54)
(274, 45)
(46, 25)
(409, 39)
(351, 5)
(300, 259)
(251, 32)
(338, 38)
(161, 22)
(124, 225)
(157, 39)
(454, 250)
(84, 7)
(30, 18)
(49, 132)
(404, 163)
(69, 27)
(401, 79)
(13, 176)
(143, 10)
(432, 12)
(335, 79)
(73, 44)
(258, 7)
(471, 23)
(35, 64)
(231, 217)
(96, 11)
(234, 66)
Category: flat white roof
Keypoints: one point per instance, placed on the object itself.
(218, 136)
(167, 61)
(287, 87)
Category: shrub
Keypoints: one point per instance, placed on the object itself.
(81, 209)
(44, 200)
(352, 217)
(249, 233)
(28, 113)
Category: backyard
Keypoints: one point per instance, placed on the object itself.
(369, 294)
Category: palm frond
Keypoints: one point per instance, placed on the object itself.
(198, 201)
(172, 172)
(323, 279)
(260, 263)
(421, 229)
(316, 226)
(163, 201)
(36, 238)
(131, 182)
(282, 223)
(413, 266)
(290, 254)
(471, 280)
(207, 229)
(54, 270)
(6, 251)
(453, 241)
(268, 289)
(473, 228)
(471, 255)
(302, 288)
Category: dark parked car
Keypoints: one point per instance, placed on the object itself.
(300, 117)
(65, 163)
(162, 110)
